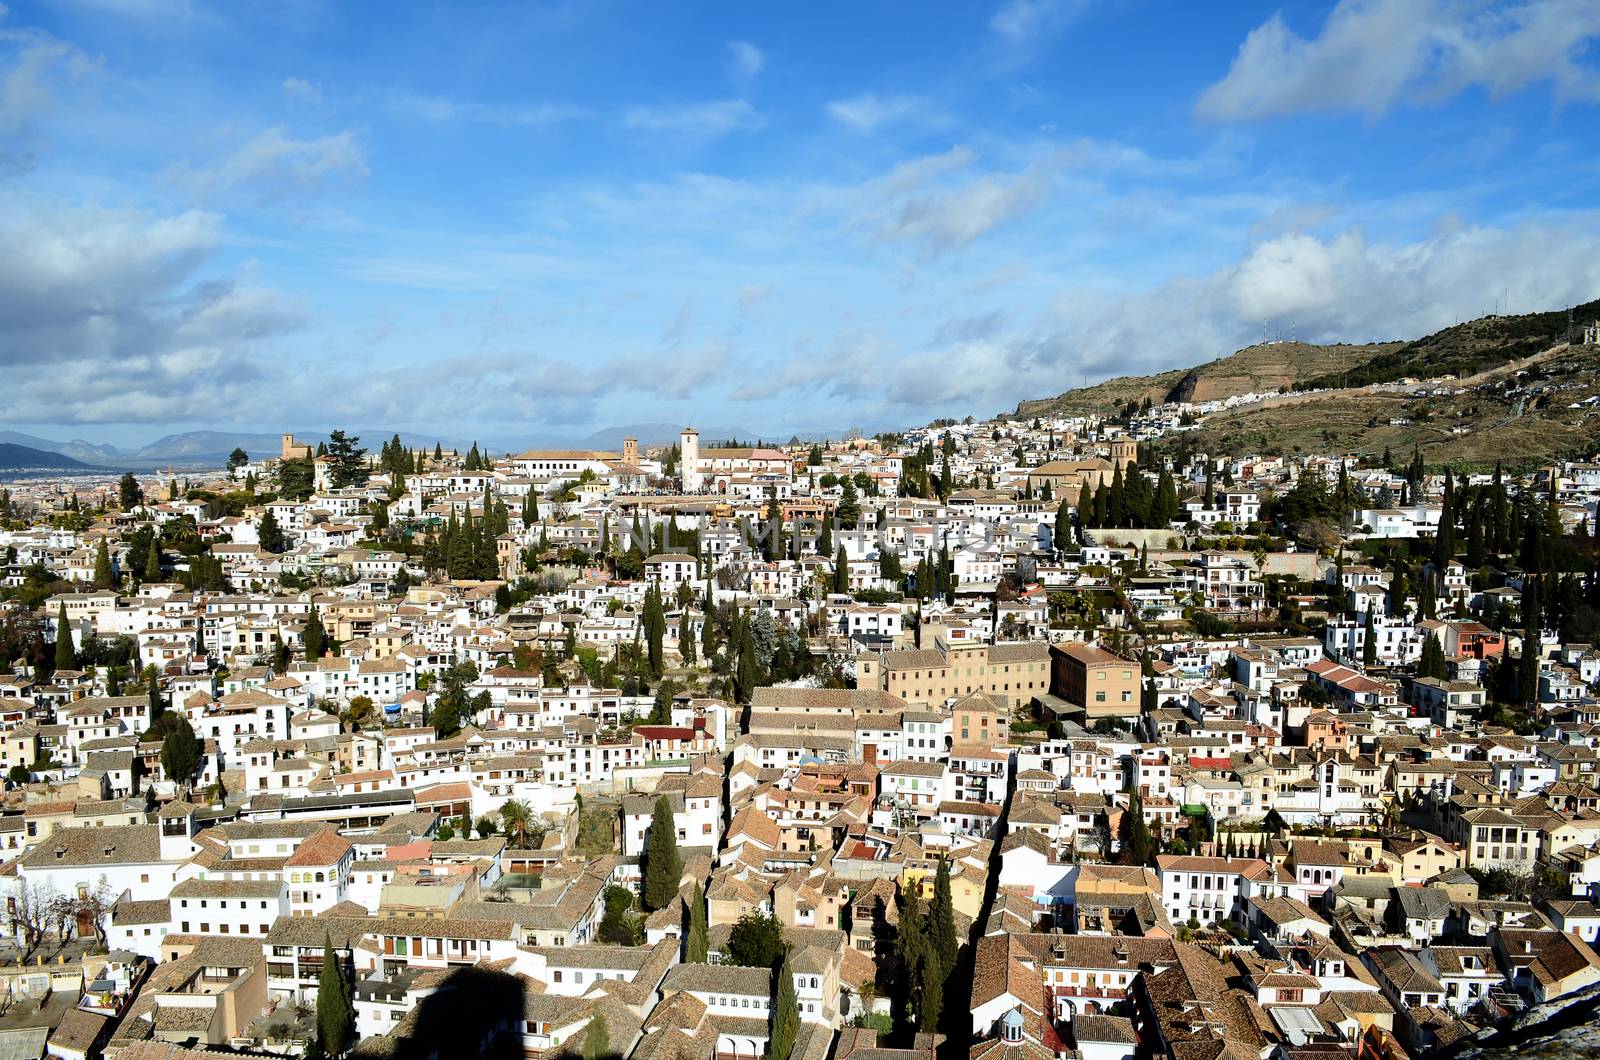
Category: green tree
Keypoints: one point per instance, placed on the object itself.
(102, 566)
(618, 925)
(516, 821)
(1138, 844)
(747, 674)
(849, 510)
(152, 560)
(66, 658)
(942, 917)
(708, 628)
(686, 639)
(841, 573)
(347, 463)
(699, 942)
(756, 941)
(785, 1015)
(335, 1014)
(129, 493)
(1369, 643)
(597, 1038)
(295, 479)
(237, 459)
(663, 866)
(912, 955)
(153, 700)
(655, 627)
(1063, 528)
(270, 535)
(180, 753)
(315, 636)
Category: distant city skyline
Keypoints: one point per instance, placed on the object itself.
(510, 222)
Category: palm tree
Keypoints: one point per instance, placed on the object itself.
(516, 820)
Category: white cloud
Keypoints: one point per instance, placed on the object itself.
(1371, 54)
(697, 120)
(274, 164)
(28, 89)
(301, 90)
(917, 202)
(866, 112)
(1024, 26)
(442, 109)
(745, 61)
(103, 318)
(1342, 288)
(753, 294)
(1017, 21)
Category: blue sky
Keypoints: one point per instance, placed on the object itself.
(513, 220)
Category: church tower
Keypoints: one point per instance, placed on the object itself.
(689, 459)
(1124, 453)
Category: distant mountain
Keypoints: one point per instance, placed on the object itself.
(26, 458)
(195, 445)
(78, 449)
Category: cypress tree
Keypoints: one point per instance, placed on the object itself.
(335, 1017)
(655, 628)
(686, 639)
(942, 918)
(748, 672)
(1528, 664)
(785, 1015)
(911, 954)
(708, 628)
(1426, 605)
(269, 534)
(841, 573)
(1369, 645)
(102, 565)
(1167, 506)
(152, 560)
(663, 867)
(1063, 529)
(66, 658)
(180, 753)
(1085, 506)
(699, 942)
(316, 638)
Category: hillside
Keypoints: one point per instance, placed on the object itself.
(1524, 413)
(1465, 349)
(22, 458)
(1258, 369)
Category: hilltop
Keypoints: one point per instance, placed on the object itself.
(1458, 351)
(1522, 412)
(1499, 387)
(1259, 369)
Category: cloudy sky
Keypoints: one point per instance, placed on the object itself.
(495, 221)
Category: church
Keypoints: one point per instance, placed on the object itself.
(755, 473)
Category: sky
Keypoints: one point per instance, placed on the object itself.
(518, 220)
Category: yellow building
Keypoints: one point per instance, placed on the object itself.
(1012, 673)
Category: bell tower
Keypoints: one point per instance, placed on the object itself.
(689, 460)
(1124, 452)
